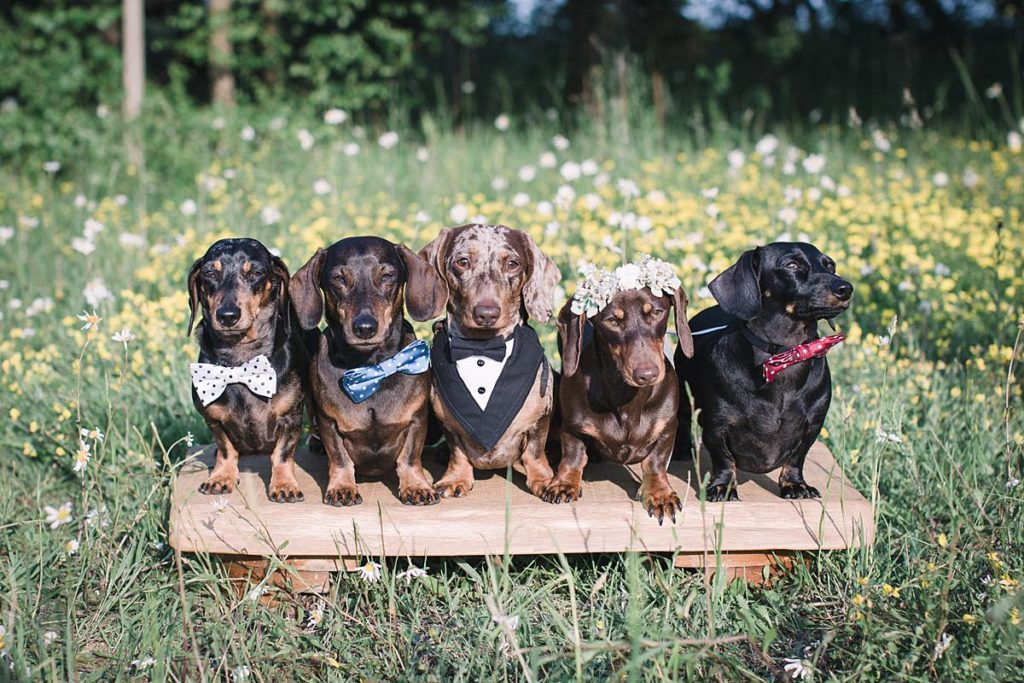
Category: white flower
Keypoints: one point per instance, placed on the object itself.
(240, 673)
(736, 159)
(190, 440)
(350, 149)
(881, 142)
(1012, 483)
(413, 573)
(49, 638)
(520, 199)
(564, 196)
(99, 514)
(83, 245)
(971, 178)
(123, 337)
(545, 208)
(798, 668)
(188, 208)
(627, 188)
(422, 154)
(592, 200)
(218, 123)
(6, 233)
(96, 291)
(791, 194)
(55, 517)
(994, 91)
(421, 216)
(270, 215)
(96, 434)
(709, 193)
(787, 215)
(71, 547)
(552, 228)
(527, 173)
(560, 142)
(459, 213)
(91, 320)
(82, 456)
(712, 210)
(598, 287)
(51, 166)
(143, 663)
(248, 134)
(502, 122)
(306, 139)
(547, 160)
(370, 571)
(131, 240)
(767, 145)
(570, 171)
(39, 305)
(121, 199)
(220, 504)
(1015, 141)
(321, 187)
(814, 164)
(945, 640)
(92, 228)
(588, 167)
(28, 222)
(335, 117)
(629, 276)
(388, 140)
(883, 436)
(499, 184)
(468, 87)
(316, 617)
(940, 179)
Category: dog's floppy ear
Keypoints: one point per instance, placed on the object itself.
(570, 333)
(426, 292)
(539, 290)
(680, 301)
(304, 290)
(737, 290)
(282, 277)
(193, 294)
(435, 254)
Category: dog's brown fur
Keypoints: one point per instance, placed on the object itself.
(362, 280)
(484, 268)
(239, 277)
(616, 398)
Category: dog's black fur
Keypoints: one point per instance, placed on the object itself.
(780, 292)
(241, 292)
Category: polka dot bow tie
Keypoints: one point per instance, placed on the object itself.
(211, 380)
(798, 354)
(362, 383)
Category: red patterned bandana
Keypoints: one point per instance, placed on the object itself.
(799, 353)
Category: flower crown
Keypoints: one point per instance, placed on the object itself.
(599, 287)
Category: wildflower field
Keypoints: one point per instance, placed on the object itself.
(926, 419)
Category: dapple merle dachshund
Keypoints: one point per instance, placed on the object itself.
(493, 390)
(758, 375)
(249, 383)
(368, 375)
(616, 398)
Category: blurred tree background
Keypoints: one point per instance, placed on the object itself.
(692, 63)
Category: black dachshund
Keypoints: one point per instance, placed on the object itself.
(758, 374)
(249, 383)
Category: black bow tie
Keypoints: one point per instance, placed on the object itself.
(462, 348)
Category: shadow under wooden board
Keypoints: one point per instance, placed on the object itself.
(501, 516)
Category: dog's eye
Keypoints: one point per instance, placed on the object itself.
(387, 276)
(658, 312)
(830, 266)
(513, 264)
(794, 265)
(612, 320)
(462, 262)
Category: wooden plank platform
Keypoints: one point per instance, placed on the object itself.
(501, 516)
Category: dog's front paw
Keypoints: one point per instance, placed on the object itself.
(453, 489)
(286, 492)
(722, 492)
(560, 492)
(798, 490)
(218, 484)
(663, 504)
(419, 494)
(339, 496)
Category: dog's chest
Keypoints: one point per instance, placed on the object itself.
(624, 435)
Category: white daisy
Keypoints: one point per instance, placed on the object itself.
(123, 337)
(370, 571)
(91, 320)
(71, 547)
(55, 517)
(388, 140)
(413, 573)
(335, 116)
(502, 122)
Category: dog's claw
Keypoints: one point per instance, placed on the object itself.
(215, 486)
(722, 492)
(456, 489)
(799, 491)
(664, 505)
(343, 496)
(419, 496)
(558, 493)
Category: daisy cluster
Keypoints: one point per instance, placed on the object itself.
(599, 286)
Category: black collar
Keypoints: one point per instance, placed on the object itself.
(758, 343)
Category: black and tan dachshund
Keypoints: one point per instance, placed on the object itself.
(378, 423)
(758, 374)
(616, 398)
(249, 383)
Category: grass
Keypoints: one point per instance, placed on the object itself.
(926, 419)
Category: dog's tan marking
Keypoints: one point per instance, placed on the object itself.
(648, 308)
(217, 265)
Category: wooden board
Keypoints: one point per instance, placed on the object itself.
(501, 516)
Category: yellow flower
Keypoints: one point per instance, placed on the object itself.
(941, 539)
(15, 414)
(970, 618)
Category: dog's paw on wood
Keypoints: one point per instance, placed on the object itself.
(342, 496)
(286, 491)
(722, 493)
(455, 488)
(561, 492)
(662, 504)
(797, 490)
(418, 494)
(219, 484)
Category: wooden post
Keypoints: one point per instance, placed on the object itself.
(133, 56)
(221, 76)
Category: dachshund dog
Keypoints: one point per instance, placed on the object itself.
(368, 418)
(758, 373)
(493, 390)
(616, 398)
(249, 383)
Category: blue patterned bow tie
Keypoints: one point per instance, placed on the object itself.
(362, 383)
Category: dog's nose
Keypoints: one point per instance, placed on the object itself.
(364, 326)
(645, 374)
(486, 313)
(228, 315)
(842, 289)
